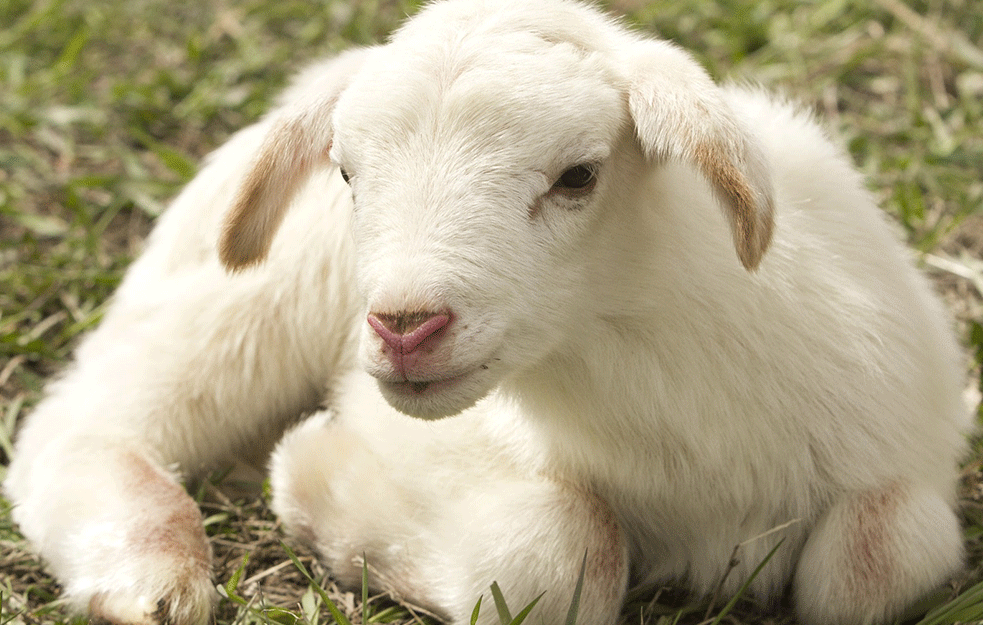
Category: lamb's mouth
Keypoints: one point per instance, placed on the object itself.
(424, 388)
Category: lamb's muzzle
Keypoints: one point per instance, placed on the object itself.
(406, 332)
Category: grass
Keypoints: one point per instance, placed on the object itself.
(105, 109)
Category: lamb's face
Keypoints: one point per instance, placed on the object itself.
(477, 181)
(492, 155)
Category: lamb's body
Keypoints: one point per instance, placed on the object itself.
(638, 391)
(706, 404)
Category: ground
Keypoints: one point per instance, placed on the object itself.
(106, 108)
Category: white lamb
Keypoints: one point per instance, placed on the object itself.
(536, 245)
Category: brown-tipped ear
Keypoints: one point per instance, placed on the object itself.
(287, 157)
(680, 114)
(295, 146)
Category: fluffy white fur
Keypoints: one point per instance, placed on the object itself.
(715, 336)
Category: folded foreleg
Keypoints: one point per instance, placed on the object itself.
(876, 552)
(441, 521)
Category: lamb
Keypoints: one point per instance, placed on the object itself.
(636, 314)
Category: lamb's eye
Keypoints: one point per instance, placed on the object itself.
(580, 179)
(345, 176)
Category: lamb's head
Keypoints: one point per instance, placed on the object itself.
(490, 151)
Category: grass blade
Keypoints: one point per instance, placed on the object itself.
(575, 602)
(733, 601)
(476, 611)
(503, 609)
(233, 583)
(967, 607)
(521, 616)
(13, 615)
(365, 589)
(339, 618)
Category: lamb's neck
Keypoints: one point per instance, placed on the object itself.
(597, 371)
(595, 402)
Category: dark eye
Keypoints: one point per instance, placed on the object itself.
(345, 176)
(581, 178)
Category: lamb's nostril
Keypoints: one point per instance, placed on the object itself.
(405, 331)
(404, 322)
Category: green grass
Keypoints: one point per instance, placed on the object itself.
(107, 107)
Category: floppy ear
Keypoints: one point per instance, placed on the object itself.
(680, 114)
(296, 145)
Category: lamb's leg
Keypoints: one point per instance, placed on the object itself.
(90, 489)
(874, 553)
(438, 534)
(200, 378)
(119, 531)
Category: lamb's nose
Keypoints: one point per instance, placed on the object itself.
(406, 331)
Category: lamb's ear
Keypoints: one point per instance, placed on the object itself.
(296, 145)
(679, 113)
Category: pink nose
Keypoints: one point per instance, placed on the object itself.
(403, 332)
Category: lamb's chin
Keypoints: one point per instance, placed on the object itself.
(438, 399)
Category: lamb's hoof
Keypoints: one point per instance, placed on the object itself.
(189, 605)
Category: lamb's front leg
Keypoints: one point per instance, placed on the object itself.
(439, 520)
(119, 531)
(874, 553)
(201, 376)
